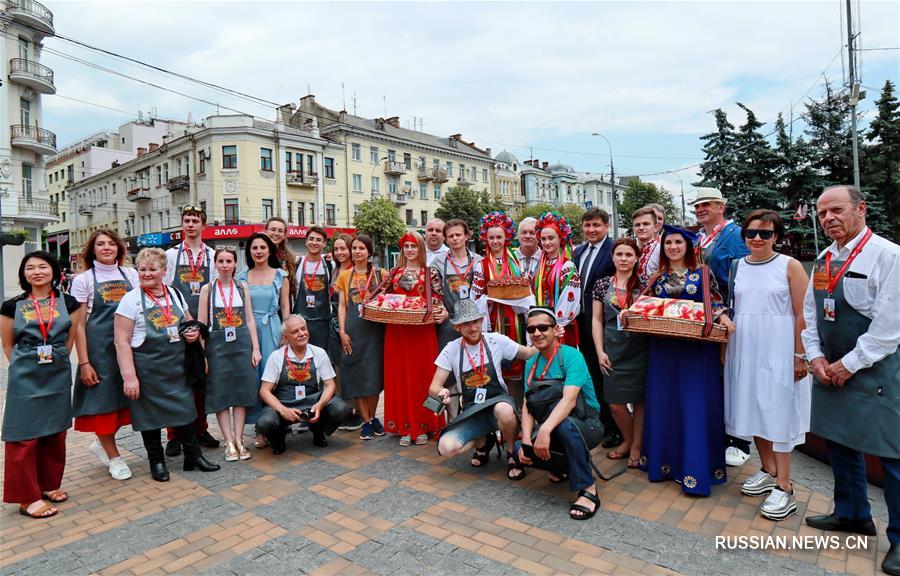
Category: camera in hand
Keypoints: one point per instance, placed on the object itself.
(305, 415)
(434, 404)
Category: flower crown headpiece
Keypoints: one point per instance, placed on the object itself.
(500, 220)
(557, 222)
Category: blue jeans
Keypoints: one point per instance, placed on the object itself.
(567, 439)
(851, 487)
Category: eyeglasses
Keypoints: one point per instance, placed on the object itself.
(752, 233)
(538, 327)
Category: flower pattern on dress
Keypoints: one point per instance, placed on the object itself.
(665, 469)
(690, 482)
(643, 460)
(694, 277)
(691, 289)
(719, 473)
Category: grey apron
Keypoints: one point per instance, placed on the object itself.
(106, 396)
(468, 383)
(183, 275)
(451, 284)
(304, 374)
(231, 378)
(165, 398)
(318, 314)
(362, 373)
(628, 352)
(864, 414)
(38, 397)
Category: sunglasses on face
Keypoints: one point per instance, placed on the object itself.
(752, 233)
(538, 327)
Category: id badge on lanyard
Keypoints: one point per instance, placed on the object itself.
(829, 311)
(463, 290)
(310, 300)
(172, 332)
(45, 354)
(195, 288)
(230, 334)
(299, 392)
(480, 395)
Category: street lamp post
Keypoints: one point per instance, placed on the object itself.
(612, 178)
(377, 162)
(683, 209)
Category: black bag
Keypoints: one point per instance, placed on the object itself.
(543, 396)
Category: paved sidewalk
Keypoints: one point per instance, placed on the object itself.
(360, 507)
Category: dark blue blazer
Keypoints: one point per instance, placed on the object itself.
(729, 245)
(601, 268)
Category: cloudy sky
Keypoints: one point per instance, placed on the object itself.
(535, 78)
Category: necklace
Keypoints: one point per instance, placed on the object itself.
(760, 262)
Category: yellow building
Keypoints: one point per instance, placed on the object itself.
(378, 157)
(507, 183)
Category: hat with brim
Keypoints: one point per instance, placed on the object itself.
(466, 311)
(708, 195)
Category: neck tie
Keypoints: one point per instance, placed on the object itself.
(585, 263)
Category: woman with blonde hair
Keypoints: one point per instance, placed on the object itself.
(276, 230)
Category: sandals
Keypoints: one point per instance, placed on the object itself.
(261, 442)
(633, 462)
(421, 439)
(513, 466)
(45, 511)
(483, 455)
(406, 440)
(579, 512)
(56, 496)
(559, 478)
(617, 455)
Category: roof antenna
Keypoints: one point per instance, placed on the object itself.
(354, 102)
(343, 96)
(384, 100)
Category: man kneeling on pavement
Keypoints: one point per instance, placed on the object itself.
(298, 386)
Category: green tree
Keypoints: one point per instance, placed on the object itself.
(828, 129)
(637, 195)
(881, 166)
(571, 212)
(719, 168)
(754, 168)
(467, 205)
(379, 219)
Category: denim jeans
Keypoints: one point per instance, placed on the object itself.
(566, 438)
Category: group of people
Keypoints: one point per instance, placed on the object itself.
(535, 338)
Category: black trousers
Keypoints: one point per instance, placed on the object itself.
(186, 434)
(589, 351)
(271, 425)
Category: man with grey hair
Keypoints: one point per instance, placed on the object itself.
(528, 252)
(660, 215)
(434, 240)
(851, 339)
(298, 386)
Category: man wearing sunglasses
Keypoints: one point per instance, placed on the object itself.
(720, 243)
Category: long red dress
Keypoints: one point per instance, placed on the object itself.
(409, 354)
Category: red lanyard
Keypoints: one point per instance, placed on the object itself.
(621, 295)
(229, 307)
(190, 256)
(832, 282)
(546, 368)
(45, 328)
(307, 278)
(167, 310)
(363, 295)
(710, 237)
(291, 367)
(482, 369)
(455, 269)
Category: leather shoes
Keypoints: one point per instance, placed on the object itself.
(833, 522)
(207, 441)
(891, 563)
(201, 464)
(278, 447)
(320, 440)
(612, 439)
(159, 472)
(173, 448)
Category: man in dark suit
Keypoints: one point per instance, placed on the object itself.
(594, 261)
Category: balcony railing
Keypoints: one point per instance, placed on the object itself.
(399, 198)
(34, 138)
(85, 210)
(463, 181)
(32, 12)
(43, 207)
(394, 168)
(440, 175)
(307, 180)
(139, 192)
(32, 74)
(426, 173)
(178, 183)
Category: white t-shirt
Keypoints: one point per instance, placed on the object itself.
(236, 300)
(324, 370)
(501, 347)
(172, 256)
(130, 307)
(82, 288)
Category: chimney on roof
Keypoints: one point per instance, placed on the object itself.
(393, 121)
(141, 151)
(153, 146)
(544, 165)
(380, 123)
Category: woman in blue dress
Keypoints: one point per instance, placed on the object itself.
(270, 298)
(684, 420)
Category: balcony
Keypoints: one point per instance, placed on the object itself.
(426, 174)
(40, 209)
(463, 182)
(140, 192)
(32, 138)
(85, 210)
(178, 183)
(440, 175)
(303, 180)
(399, 198)
(393, 168)
(31, 74)
(32, 14)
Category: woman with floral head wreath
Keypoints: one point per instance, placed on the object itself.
(503, 313)
(557, 284)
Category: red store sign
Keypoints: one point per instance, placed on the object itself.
(239, 231)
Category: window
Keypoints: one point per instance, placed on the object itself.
(25, 111)
(392, 155)
(310, 160)
(312, 212)
(357, 182)
(375, 185)
(268, 208)
(229, 157)
(392, 187)
(301, 213)
(437, 191)
(484, 175)
(290, 212)
(462, 171)
(407, 187)
(23, 48)
(407, 160)
(409, 218)
(424, 215)
(355, 152)
(288, 162)
(449, 169)
(201, 163)
(422, 162)
(26, 180)
(329, 215)
(423, 191)
(232, 212)
(203, 207)
(355, 211)
(298, 167)
(373, 154)
(166, 171)
(436, 164)
(265, 159)
(329, 167)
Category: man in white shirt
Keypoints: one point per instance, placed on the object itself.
(528, 252)
(851, 339)
(434, 240)
(298, 386)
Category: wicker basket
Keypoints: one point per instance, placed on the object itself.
(374, 313)
(673, 327)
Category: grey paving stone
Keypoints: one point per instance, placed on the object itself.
(287, 554)
(231, 474)
(312, 473)
(303, 443)
(297, 509)
(397, 503)
(394, 468)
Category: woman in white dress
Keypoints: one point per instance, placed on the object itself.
(767, 390)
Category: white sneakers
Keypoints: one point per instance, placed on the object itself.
(118, 469)
(779, 505)
(735, 456)
(760, 483)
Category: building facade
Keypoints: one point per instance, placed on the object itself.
(508, 183)
(559, 184)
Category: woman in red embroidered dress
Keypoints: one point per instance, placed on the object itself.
(410, 349)
(557, 284)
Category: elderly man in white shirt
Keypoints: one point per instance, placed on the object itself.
(528, 252)
(434, 240)
(851, 339)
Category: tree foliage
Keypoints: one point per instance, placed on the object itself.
(468, 205)
(881, 165)
(379, 219)
(572, 213)
(637, 195)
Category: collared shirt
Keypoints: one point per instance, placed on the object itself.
(172, 257)
(584, 268)
(529, 264)
(648, 262)
(703, 233)
(431, 255)
(876, 296)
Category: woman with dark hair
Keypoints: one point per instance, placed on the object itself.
(100, 405)
(767, 388)
(362, 364)
(276, 229)
(37, 332)
(340, 259)
(557, 283)
(684, 423)
(622, 355)
(270, 298)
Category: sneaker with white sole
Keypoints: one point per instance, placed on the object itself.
(779, 505)
(97, 450)
(760, 483)
(118, 469)
(735, 456)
